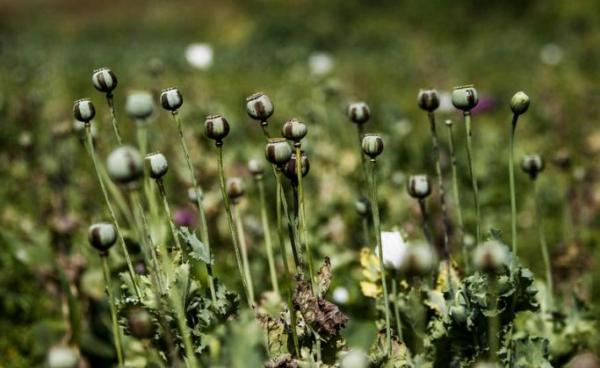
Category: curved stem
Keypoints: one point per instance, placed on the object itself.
(237, 219)
(232, 230)
(113, 310)
(543, 245)
(377, 226)
(113, 115)
(456, 193)
(511, 173)
(267, 233)
(111, 211)
(203, 227)
(467, 116)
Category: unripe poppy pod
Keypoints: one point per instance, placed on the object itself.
(171, 99)
(235, 189)
(465, 98)
(83, 110)
(491, 257)
(104, 80)
(278, 151)
(532, 165)
(140, 323)
(259, 106)
(102, 236)
(428, 99)
(359, 112)
(156, 165)
(256, 168)
(294, 130)
(291, 169)
(372, 145)
(419, 186)
(125, 165)
(216, 127)
(519, 103)
(139, 105)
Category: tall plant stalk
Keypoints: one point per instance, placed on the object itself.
(203, 226)
(113, 115)
(377, 226)
(113, 217)
(267, 234)
(302, 216)
(456, 193)
(543, 244)
(237, 219)
(467, 116)
(511, 172)
(113, 309)
(160, 185)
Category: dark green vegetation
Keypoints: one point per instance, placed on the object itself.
(383, 53)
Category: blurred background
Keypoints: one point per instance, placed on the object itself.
(312, 58)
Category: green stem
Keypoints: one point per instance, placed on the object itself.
(543, 245)
(203, 226)
(267, 234)
(111, 211)
(456, 192)
(425, 222)
(302, 216)
(163, 195)
(365, 226)
(377, 227)
(467, 116)
(142, 138)
(286, 267)
(397, 309)
(113, 309)
(237, 219)
(232, 230)
(113, 115)
(494, 322)
(511, 172)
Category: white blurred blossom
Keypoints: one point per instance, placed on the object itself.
(551, 54)
(199, 55)
(320, 63)
(394, 248)
(341, 295)
(355, 359)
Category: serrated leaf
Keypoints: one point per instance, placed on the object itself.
(198, 250)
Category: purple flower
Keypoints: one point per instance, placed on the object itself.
(486, 103)
(185, 217)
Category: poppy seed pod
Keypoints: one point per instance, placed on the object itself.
(532, 165)
(259, 106)
(139, 323)
(102, 236)
(139, 105)
(419, 186)
(125, 165)
(192, 197)
(83, 110)
(235, 189)
(294, 130)
(290, 167)
(278, 151)
(359, 112)
(156, 165)
(256, 168)
(171, 99)
(216, 127)
(465, 98)
(491, 257)
(428, 99)
(372, 145)
(519, 103)
(104, 80)
(362, 206)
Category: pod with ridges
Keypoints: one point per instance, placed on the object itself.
(419, 186)
(102, 236)
(216, 127)
(259, 106)
(156, 165)
(171, 99)
(465, 98)
(83, 110)
(104, 80)
(372, 145)
(294, 130)
(359, 112)
(428, 99)
(125, 165)
(278, 151)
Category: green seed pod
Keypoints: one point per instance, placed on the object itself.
(372, 145)
(294, 130)
(359, 112)
(139, 105)
(192, 195)
(259, 106)
(491, 257)
(216, 127)
(104, 80)
(156, 165)
(519, 103)
(140, 323)
(256, 168)
(428, 99)
(290, 167)
(419, 186)
(102, 236)
(83, 110)
(235, 189)
(362, 207)
(532, 165)
(419, 260)
(278, 151)
(465, 98)
(125, 165)
(171, 99)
